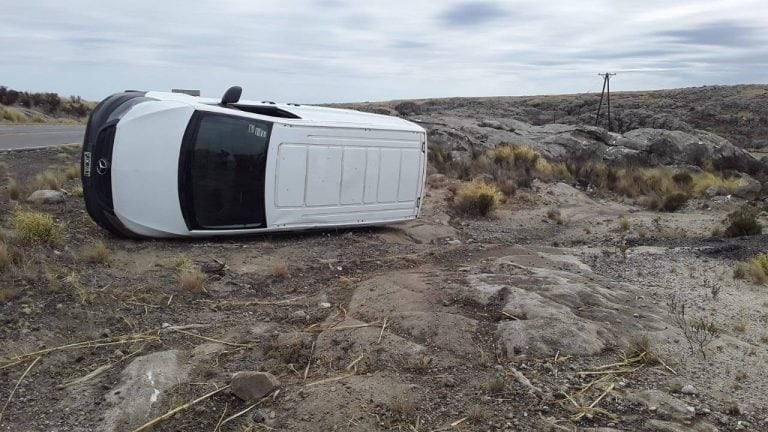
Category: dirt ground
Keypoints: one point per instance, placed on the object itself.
(516, 322)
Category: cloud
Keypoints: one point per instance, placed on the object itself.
(471, 14)
(726, 34)
(338, 50)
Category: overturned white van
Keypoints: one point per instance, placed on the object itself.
(166, 165)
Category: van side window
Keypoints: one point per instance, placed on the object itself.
(224, 165)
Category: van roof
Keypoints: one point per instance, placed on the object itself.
(299, 114)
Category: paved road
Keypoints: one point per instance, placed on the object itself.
(26, 136)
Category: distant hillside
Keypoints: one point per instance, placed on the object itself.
(738, 113)
(25, 107)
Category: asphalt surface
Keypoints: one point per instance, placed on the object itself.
(31, 136)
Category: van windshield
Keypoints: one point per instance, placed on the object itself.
(222, 165)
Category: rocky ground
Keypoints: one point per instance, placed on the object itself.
(520, 321)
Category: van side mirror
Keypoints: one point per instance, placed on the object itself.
(232, 95)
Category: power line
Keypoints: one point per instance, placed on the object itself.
(606, 92)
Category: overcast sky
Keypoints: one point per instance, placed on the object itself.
(346, 50)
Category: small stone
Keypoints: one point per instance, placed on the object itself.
(258, 417)
(300, 314)
(691, 410)
(324, 305)
(454, 242)
(253, 385)
(166, 325)
(689, 390)
(45, 196)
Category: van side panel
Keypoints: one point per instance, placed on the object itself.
(343, 176)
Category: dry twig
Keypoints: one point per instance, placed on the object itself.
(178, 409)
(16, 387)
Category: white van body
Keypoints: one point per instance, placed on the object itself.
(324, 167)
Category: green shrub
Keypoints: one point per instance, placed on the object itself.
(674, 201)
(743, 222)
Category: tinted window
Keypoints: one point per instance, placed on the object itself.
(223, 186)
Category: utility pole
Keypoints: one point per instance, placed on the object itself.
(606, 92)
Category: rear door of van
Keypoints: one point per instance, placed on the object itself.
(343, 176)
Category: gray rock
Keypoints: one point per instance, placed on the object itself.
(141, 385)
(714, 191)
(750, 191)
(253, 385)
(46, 196)
(689, 390)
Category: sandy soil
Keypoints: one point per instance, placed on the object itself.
(514, 322)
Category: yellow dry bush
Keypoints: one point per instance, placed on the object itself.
(758, 268)
(72, 172)
(48, 180)
(525, 156)
(12, 115)
(36, 227)
(96, 252)
(14, 189)
(477, 198)
(704, 180)
(503, 154)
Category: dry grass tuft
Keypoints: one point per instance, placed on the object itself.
(192, 279)
(96, 252)
(623, 224)
(402, 405)
(5, 257)
(743, 222)
(345, 282)
(14, 189)
(48, 180)
(280, 270)
(7, 294)
(674, 201)
(756, 268)
(477, 198)
(77, 191)
(72, 172)
(36, 227)
(555, 215)
(642, 345)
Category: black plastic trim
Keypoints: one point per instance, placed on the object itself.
(97, 145)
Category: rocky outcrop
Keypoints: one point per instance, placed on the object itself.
(460, 137)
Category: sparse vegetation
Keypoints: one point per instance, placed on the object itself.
(36, 227)
(95, 252)
(756, 268)
(5, 257)
(14, 190)
(72, 172)
(402, 405)
(280, 270)
(674, 201)
(743, 222)
(48, 180)
(698, 332)
(623, 224)
(476, 198)
(192, 279)
(554, 214)
(641, 345)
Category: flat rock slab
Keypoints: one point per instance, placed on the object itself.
(344, 346)
(141, 385)
(555, 303)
